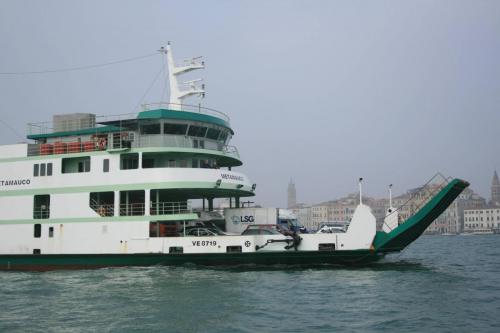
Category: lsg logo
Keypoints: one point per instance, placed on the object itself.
(243, 219)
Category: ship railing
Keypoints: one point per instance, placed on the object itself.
(132, 209)
(415, 199)
(186, 107)
(168, 208)
(157, 208)
(103, 209)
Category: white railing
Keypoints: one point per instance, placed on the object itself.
(168, 208)
(185, 107)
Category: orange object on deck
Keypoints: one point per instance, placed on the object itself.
(46, 149)
(60, 148)
(88, 146)
(74, 147)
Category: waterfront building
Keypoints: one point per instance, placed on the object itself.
(484, 220)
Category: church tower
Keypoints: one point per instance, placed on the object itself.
(292, 195)
(495, 190)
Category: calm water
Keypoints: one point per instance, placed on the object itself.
(439, 284)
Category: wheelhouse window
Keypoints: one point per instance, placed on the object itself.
(197, 131)
(76, 164)
(176, 129)
(150, 129)
(223, 136)
(213, 133)
(129, 161)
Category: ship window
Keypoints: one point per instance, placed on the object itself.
(197, 131)
(37, 251)
(174, 129)
(105, 165)
(51, 232)
(129, 161)
(150, 129)
(49, 169)
(42, 169)
(195, 163)
(37, 230)
(36, 168)
(183, 163)
(213, 133)
(76, 164)
(103, 203)
(41, 206)
(148, 163)
(132, 203)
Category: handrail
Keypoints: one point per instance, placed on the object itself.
(186, 107)
(416, 200)
(46, 127)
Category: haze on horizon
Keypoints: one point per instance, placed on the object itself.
(322, 92)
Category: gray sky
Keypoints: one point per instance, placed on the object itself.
(321, 91)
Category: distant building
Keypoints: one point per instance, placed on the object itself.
(495, 191)
(484, 220)
(292, 195)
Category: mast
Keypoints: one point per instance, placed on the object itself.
(194, 88)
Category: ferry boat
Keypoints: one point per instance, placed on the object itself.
(99, 191)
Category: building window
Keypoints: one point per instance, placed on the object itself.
(37, 231)
(105, 165)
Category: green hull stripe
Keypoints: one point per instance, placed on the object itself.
(173, 217)
(46, 262)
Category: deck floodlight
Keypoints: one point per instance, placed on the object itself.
(218, 182)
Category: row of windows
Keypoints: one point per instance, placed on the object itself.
(182, 129)
(127, 162)
(471, 219)
(42, 169)
(481, 211)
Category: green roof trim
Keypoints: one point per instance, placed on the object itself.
(183, 115)
(85, 131)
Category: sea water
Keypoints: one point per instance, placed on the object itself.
(438, 284)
